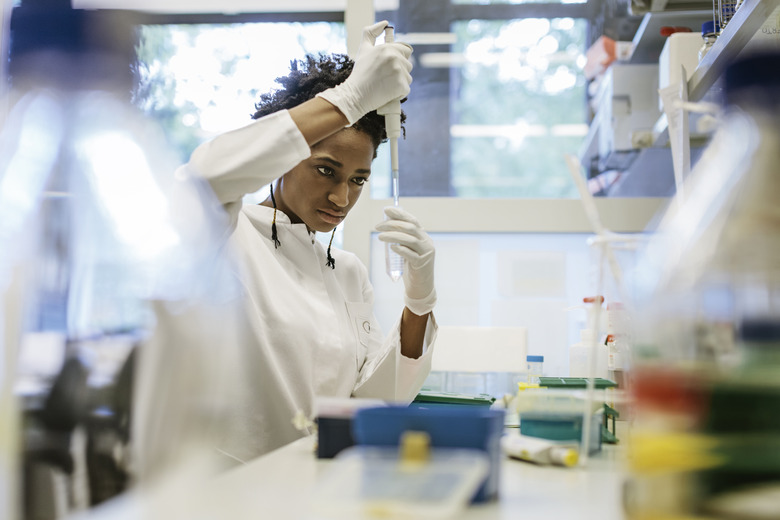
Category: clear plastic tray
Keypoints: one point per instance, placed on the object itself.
(374, 482)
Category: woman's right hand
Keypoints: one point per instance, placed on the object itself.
(381, 74)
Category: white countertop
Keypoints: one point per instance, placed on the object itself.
(280, 486)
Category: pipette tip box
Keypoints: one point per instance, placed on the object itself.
(475, 427)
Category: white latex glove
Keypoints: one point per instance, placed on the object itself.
(380, 75)
(410, 240)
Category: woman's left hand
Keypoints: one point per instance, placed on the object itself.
(409, 239)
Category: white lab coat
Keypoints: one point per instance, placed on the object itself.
(313, 331)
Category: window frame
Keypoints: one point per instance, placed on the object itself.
(459, 215)
(443, 214)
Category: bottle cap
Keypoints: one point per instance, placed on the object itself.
(709, 27)
(593, 299)
(753, 80)
(534, 359)
(668, 30)
(71, 45)
(759, 330)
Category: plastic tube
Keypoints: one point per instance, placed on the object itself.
(540, 451)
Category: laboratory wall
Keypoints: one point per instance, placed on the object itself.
(505, 280)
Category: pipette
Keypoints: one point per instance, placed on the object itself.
(392, 112)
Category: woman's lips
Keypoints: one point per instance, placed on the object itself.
(330, 218)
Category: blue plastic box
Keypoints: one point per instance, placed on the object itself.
(472, 427)
(561, 427)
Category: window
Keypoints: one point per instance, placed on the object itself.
(504, 280)
(519, 106)
(499, 96)
(198, 80)
(485, 2)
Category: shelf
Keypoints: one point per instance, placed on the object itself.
(648, 44)
(648, 41)
(661, 5)
(741, 28)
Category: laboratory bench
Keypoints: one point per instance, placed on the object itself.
(281, 485)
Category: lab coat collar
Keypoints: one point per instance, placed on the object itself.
(282, 220)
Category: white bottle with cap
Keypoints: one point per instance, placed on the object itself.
(578, 352)
(578, 356)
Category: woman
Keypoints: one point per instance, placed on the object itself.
(310, 309)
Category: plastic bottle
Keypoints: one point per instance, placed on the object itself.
(596, 323)
(709, 33)
(618, 343)
(578, 355)
(535, 368)
(715, 269)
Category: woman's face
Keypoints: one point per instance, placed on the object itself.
(321, 190)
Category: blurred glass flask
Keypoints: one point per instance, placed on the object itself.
(712, 267)
(99, 237)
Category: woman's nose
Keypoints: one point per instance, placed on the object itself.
(339, 195)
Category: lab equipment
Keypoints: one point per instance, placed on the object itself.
(561, 409)
(392, 112)
(334, 423)
(627, 109)
(713, 288)
(540, 451)
(112, 254)
(709, 33)
(575, 382)
(411, 480)
(595, 323)
(535, 366)
(680, 51)
(428, 399)
(578, 355)
(725, 10)
(471, 427)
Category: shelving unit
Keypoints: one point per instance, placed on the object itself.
(650, 160)
(743, 26)
(648, 41)
(646, 159)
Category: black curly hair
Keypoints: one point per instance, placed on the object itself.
(310, 76)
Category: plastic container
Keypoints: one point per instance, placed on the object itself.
(540, 451)
(578, 356)
(427, 398)
(382, 482)
(575, 382)
(473, 427)
(334, 423)
(562, 427)
(535, 368)
(680, 51)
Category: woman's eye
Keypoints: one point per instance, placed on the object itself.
(360, 180)
(324, 170)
